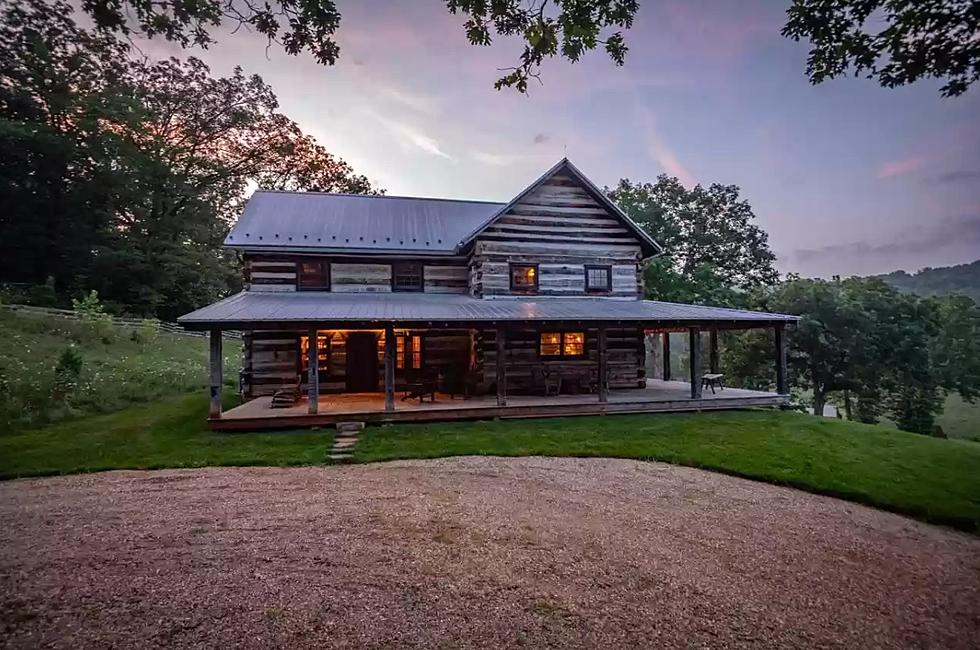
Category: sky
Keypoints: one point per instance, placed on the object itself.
(846, 177)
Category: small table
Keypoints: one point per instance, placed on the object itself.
(711, 380)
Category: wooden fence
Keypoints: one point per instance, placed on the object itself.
(163, 326)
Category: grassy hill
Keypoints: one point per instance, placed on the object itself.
(109, 368)
(962, 279)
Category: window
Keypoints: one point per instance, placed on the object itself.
(598, 279)
(322, 354)
(524, 278)
(559, 345)
(406, 276)
(314, 276)
(408, 351)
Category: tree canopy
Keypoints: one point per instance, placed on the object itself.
(713, 250)
(896, 42)
(123, 175)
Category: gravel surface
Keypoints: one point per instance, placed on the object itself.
(470, 552)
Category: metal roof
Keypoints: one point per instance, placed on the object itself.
(650, 247)
(250, 309)
(321, 222)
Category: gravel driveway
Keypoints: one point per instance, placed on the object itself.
(470, 552)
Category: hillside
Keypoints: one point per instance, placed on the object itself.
(961, 279)
(107, 367)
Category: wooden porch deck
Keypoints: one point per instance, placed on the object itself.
(658, 397)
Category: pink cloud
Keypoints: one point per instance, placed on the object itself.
(901, 167)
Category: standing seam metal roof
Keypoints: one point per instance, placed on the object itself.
(312, 307)
(323, 222)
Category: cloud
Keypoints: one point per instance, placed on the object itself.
(410, 136)
(958, 176)
(419, 103)
(498, 159)
(901, 167)
(541, 138)
(660, 151)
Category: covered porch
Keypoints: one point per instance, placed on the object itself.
(658, 396)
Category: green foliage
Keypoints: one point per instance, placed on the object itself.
(962, 279)
(894, 41)
(883, 352)
(92, 314)
(713, 252)
(147, 331)
(39, 384)
(122, 175)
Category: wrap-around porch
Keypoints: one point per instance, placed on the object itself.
(531, 392)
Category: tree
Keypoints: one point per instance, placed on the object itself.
(713, 253)
(545, 26)
(916, 39)
(880, 351)
(123, 175)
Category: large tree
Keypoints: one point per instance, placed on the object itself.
(713, 251)
(122, 175)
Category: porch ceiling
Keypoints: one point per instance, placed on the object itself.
(259, 310)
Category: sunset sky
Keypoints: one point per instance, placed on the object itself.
(847, 177)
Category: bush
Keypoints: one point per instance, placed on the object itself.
(92, 313)
(66, 374)
(146, 332)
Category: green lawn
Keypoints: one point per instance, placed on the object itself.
(932, 479)
(169, 433)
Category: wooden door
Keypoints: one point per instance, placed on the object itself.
(362, 362)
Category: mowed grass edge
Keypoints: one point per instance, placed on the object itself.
(930, 479)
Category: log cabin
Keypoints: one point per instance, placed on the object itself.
(360, 307)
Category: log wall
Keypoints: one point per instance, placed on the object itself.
(562, 228)
(271, 361)
(625, 354)
(279, 273)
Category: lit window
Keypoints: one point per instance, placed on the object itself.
(400, 352)
(550, 344)
(322, 353)
(524, 278)
(402, 359)
(598, 279)
(406, 276)
(562, 344)
(314, 276)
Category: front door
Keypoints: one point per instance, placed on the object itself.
(362, 362)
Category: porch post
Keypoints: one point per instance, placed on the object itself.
(713, 340)
(390, 368)
(501, 372)
(313, 369)
(696, 372)
(666, 338)
(782, 385)
(214, 339)
(603, 382)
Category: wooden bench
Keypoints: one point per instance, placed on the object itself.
(711, 380)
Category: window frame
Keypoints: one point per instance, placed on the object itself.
(599, 267)
(525, 265)
(395, 288)
(325, 275)
(561, 345)
(404, 363)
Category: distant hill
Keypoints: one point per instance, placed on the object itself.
(961, 279)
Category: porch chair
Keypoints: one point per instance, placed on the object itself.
(421, 384)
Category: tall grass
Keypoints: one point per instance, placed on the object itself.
(120, 366)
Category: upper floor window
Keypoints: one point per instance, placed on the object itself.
(598, 279)
(314, 275)
(524, 278)
(406, 276)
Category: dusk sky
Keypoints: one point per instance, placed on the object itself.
(847, 177)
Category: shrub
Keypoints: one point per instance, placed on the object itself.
(92, 313)
(67, 372)
(146, 332)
